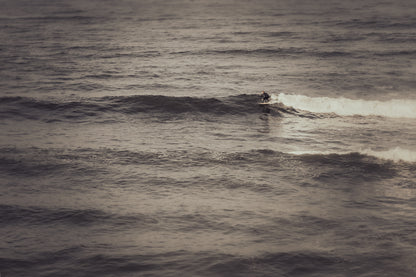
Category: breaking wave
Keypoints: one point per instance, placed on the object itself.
(396, 154)
(157, 106)
(396, 108)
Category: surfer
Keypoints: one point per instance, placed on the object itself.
(265, 97)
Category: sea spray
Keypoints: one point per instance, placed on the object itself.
(396, 108)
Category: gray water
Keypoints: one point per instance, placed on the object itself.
(132, 142)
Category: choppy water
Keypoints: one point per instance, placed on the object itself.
(132, 142)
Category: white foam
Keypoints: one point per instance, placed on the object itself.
(397, 108)
(396, 154)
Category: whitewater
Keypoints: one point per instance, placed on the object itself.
(133, 142)
(398, 108)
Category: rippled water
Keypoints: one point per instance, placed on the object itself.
(133, 143)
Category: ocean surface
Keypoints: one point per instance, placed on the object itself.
(132, 141)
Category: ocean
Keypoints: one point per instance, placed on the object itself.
(133, 143)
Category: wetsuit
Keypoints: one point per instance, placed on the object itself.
(266, 97)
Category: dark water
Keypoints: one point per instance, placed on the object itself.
(132, 142)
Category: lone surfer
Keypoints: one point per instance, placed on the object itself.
(265, 97)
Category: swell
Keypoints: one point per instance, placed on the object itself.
(33, 160)
(395, 108)
(48, 110)
(403, 24)
(396, 154)
(296, 263)
(292, 52)
(71, 16)
(11, 214)
(90, 261)
(298, 52)
(304, 262)
(151, 105)
(156, 105)
(82, 163)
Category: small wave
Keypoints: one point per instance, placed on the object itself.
(396, 108)
(47, 110)
(295, 263)
(293, 52)
(396, 154)
(152, 105)
(59, 17)
(378, 24)
(39, 215)
(253, 52)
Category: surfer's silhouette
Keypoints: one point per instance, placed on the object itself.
(265, 97)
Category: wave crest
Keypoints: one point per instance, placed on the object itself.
(396, 154)
(396, 108)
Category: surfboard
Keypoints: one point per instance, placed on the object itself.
(264, 103)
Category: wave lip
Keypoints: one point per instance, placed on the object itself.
(396, 108)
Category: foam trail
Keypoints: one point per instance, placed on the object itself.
(396, 154)
(397, 108)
